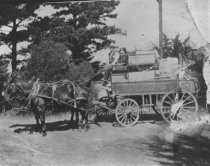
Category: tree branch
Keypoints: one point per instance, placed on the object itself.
(8, 26)
(21, 20)
(10, 46)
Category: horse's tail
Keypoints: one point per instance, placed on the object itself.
(74, 94)
(73, 87)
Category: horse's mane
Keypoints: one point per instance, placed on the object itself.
(24, 86)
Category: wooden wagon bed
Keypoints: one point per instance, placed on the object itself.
(152, 87)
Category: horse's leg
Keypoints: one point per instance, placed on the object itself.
(33, 108)
(72, 115)
(95, 120)
(77, 118)
(86, 120)
(72, 118)
(37, 117)
(42, 118)
(41, 109)
(4, 111)
(82, 119)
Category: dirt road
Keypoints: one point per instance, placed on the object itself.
(142, 144)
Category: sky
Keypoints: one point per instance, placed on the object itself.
(139, 18)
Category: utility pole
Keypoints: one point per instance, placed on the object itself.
(160, 29)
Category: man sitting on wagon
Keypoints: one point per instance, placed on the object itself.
(118, 57)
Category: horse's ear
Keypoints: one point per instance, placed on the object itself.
(32, 79)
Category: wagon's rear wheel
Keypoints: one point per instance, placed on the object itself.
(127, 112)
(179, 106)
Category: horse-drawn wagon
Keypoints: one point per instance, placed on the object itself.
(139, 86)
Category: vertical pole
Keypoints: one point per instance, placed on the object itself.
(160, 29)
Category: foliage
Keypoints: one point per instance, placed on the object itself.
(80, 72)
(50, 62)
(172, 47)
(81, 26)
(3, 72)
(15, 18)
(197, 56)
(3, 77)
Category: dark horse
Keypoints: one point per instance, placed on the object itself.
(40, 95)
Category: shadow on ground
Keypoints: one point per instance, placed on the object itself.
(183, 151)
(52, 126)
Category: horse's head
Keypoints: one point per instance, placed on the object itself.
(9, 89)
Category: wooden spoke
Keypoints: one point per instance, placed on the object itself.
(189, 102)
(174, 95)
(189, 105)
(170, 99)
(167, 102)
(133, 117)
(120, 116)
(123, 118)
(131, 104)
(187, 98)
(168, 116)
(183, 96)
(130, 110)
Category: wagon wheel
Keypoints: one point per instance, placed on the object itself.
(127, 112)
(156, 109)
(178, 106)
(109, 106)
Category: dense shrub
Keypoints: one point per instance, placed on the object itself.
(50, 62)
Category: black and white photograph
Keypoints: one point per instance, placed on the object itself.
(104, 83)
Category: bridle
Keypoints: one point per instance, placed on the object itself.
(11, 90)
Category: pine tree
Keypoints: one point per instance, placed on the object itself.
(15, 18)
(81, 26)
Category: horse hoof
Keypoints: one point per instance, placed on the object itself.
(37, 129)
(95, 120)
(86, 128)
(44, 134)
(30, 132)
(81, 126)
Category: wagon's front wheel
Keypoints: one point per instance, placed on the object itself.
(127, 112)
(179, 106)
